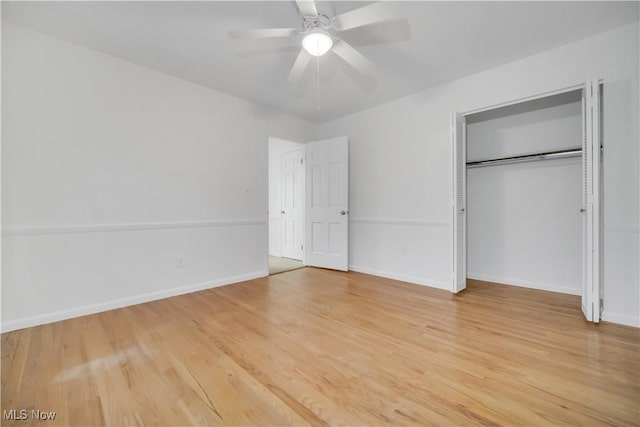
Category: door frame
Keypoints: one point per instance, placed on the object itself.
(596, 279)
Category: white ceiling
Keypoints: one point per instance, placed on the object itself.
(438, 42)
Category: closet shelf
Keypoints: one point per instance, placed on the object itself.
(548, 155)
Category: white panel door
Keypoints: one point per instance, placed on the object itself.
(459, 215)
(591, 201)
(327, 204)
(292, 200)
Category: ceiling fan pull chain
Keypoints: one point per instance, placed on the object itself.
(318, 83)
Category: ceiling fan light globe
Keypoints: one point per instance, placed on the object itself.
(317, 43)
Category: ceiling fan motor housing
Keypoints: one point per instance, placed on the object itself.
(320, 22)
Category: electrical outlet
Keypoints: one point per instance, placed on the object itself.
(181, 262)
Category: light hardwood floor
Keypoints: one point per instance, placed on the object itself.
(319, 347)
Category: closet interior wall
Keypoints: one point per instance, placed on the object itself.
(524, 220)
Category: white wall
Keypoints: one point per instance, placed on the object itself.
(546, 124)
(524, 222)
(277, 147)
(400, 170)
(99, 155)
(114, 174)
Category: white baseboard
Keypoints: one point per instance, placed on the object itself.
(524, 284)
(56, 316)
(402, 277)
(621, 319)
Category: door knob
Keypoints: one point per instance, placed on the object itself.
(582, 210)
(343, 212)
(462, 210)
(282, 212)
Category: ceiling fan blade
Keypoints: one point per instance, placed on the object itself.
(263, 33)
(256, 52)
(376, 12)
(352, 57)
(299, 66)
(307, 7)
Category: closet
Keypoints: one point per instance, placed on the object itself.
(524, 194)
(526, 205)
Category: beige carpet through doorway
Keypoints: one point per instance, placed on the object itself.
(280, 265)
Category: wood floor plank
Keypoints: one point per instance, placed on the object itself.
(319, 347)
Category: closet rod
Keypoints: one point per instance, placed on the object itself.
(549, 155)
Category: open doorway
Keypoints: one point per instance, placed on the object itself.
(286, 205)
(524, 194)
(308, 193)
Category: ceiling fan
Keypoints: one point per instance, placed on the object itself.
(320, 33)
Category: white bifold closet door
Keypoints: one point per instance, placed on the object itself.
(591, 200)
(459, 144)
(591, 177)
(327, 204)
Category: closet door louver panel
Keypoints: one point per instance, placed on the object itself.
(595, 201)
(459, 203)
(591, 200)
(586, 304)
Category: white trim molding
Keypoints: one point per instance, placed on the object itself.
(56, 316)
(398, 221)
(533, 97)
(621, 319)
(437, 284)
(101, 228)
(509, 281)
